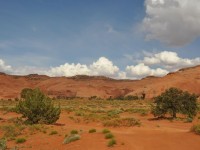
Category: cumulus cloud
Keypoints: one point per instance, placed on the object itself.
(170, 60)
(4, 67)
(174, 22)
(69, 70)
(102, 66)
(141, 70)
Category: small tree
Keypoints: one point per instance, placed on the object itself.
(175, 101)
(38, 108)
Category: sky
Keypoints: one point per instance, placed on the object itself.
(122, 39)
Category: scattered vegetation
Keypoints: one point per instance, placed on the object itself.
(38, 108)
(175, 101)
(129, 97)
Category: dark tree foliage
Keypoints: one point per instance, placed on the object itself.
(38, 108)
(25, 92)
(175, 101)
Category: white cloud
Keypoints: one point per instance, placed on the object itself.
(174, 22)
(141, 70)
(102, 66)
(4, 67)
(69, 70)
(170, 60)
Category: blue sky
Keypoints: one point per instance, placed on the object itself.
(51, 33)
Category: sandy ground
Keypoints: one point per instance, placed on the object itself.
(151, 135)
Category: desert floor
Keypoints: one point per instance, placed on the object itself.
(83, 115)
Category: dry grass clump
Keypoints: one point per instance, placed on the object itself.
(122, 122)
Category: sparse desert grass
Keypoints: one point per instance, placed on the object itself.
(122, 122)
(71, 138)
(141, 111)
(20, 140)
(10, 131)
(37, 128)
(92, 130)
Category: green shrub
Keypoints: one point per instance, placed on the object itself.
(71, 138)
(74, 132)
(53, 132)
(104, 131)
(20, 140)
(38, 108)
(3, 145)
(109, 136)
(196, 129)
(111, 142)
(92, 130)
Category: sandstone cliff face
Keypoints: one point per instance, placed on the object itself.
(87, 86)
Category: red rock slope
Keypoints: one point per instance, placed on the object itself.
(86, 86)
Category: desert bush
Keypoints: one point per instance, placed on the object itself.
(3, 145)
(74, 132)
(71, 138)
(38, 108)
(53, 132)
(92, 130)
(119, 122)
(104, 131)
(196, 129)
(109, 136)
(175, 101)
(20, 140)
(111, 142)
